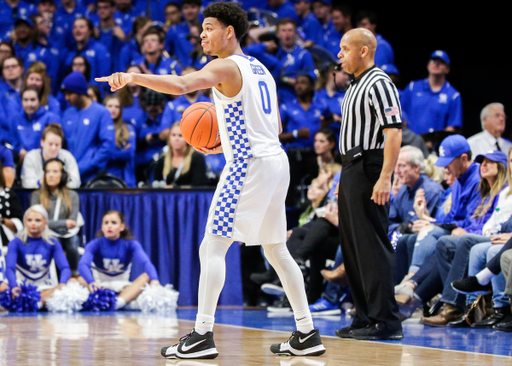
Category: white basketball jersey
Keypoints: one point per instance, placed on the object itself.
(248, 122)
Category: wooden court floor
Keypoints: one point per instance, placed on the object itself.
(135, 339)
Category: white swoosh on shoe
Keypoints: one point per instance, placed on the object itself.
(186, 348)
(302, 340)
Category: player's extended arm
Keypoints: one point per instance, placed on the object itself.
(219, 71)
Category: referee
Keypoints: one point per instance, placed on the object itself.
(370, 140)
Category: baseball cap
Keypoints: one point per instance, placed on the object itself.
(75, 82)
(451, 147)
(390, 69)
(441, 55)
(493, 155)
(25, 21)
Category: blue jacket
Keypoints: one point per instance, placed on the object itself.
(429, 111)
(113, 257)
(145, 151)
(402, 209)
(294, 117)
(91, 138)
(129, 53)
(98, 56)
(122, 161)
(331, 39)
(465, 196)
(294, 62)
(14, 105)
(26, 130)
(313, 29)
(164, 66)
(33, 260)
(177, 44)
(7, 18)
(384, 53)
(474, 225)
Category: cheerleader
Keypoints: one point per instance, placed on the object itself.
(107, 261)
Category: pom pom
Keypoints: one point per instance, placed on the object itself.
(101, 300)
(26, 302)
(68, 299)
(394, 237)
(158, 299)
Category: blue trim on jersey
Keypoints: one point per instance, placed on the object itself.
(235, 122)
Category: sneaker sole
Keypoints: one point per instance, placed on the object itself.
(279, 310)
(273, 290)
(313, 351)
(379, 338)
(206, 354)
(325, 312)
(472, 293)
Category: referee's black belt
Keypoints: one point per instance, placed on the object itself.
(358, 153)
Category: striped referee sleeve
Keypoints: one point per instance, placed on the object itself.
(385, 101)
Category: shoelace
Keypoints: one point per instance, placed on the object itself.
(183, 339)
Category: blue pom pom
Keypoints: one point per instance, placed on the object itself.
(101, 300)
(25, 302)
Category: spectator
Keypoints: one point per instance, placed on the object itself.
(30, 255)
(181, 165)
(12, 72)
(6, 50)
(88, 128)
(115, 244)
(494, 121)
(94, 92)
(332, 90)
(125, 15)
(154, 61)
(11, 212)
(122, 160)
(432, 104)
(175, 108)
(63, 207)
(325, 153)
(131, 50)
(283, 9)
(411, 170)
(322, 10)
(506, 266)
(107, 31)
(341, 17)
(7, 161)
(32, 172)
(148, 132)
(37, 77)
(176, 42)
(172, 12)
(95, 52)
(293, 60)
(308, 22)
(10, 11)
(27, 126)
(66, 14)
(384, 53)
(199, 58)
(130, 97)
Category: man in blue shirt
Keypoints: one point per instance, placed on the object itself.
(12, 72)
(176, 42)
(125, 15)
(308, 22)
(384, 53)
(410, 168)
(342, 23)
(293, 60)
(283, 9)
(10, 10)
(88, 127)
(63, 20)
(153, 60)
(432, 104)
(96, 53)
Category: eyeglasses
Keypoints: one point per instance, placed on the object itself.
(7, 67)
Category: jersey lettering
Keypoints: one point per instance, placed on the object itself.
(112, 265)
(36, 262)
(257, 70)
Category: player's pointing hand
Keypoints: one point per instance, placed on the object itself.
(117, 80)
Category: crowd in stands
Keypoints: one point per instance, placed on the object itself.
(61, 130)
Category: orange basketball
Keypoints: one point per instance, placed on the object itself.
(199, 125)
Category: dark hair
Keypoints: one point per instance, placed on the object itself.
(9, 44)
(33, 88)
(172, 3)
(371, 15)
(110, 2)
(344, 9)
(192, 2)
(284, 21)
(87, 74)
(269, 36)
(469, 154)
(19, 60)
(125, 234)
(97, 93)
(89, 24)
(330, 136)
(54, 128)
(229, 14)
(154, 30)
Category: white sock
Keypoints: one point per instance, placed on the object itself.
(204, 323)
(484, 276)
(120, 303)
(304, 321)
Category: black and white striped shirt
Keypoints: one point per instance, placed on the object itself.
(370, 105)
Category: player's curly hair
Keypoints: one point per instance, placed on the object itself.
(229, 14)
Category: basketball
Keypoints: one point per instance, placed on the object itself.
(199, 125)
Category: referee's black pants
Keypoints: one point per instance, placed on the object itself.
(367, 252)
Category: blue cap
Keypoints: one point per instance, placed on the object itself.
(452, 147)
(75, 83)
(493, 155)
(442, 55)
(326, 2)
(390, 69)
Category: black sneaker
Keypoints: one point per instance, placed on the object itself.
(280, 306)
(377, 332)
(193, 345)
(345, 332)
(470, 285)
(300, 344)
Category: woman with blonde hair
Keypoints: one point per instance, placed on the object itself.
(181, 165)
(37, 75)
(29, 256)
(122, 162)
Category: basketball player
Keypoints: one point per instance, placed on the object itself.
(249, 203)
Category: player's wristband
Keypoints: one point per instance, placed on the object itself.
(295, 134)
